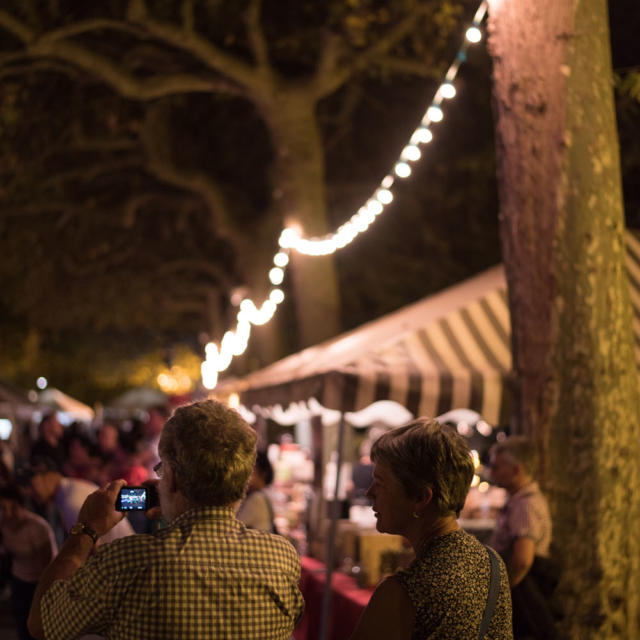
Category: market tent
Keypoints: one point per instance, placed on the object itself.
(72, 409)
(139, 398)
(449, 350)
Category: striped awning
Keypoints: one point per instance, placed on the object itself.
(450, 350)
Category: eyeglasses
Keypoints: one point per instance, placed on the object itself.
(158, 469)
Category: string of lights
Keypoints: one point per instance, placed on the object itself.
(234, 343)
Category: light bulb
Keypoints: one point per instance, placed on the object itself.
(421, 135)
(276, 275)
(387, 182)
(281, 259)
(384, 195)
(374, 206)
(288, 238)
(448, 91)
(276, 296)
(434, 113)
(411, 152)
(403, 170)
(474, 34)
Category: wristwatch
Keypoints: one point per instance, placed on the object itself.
(81, 527)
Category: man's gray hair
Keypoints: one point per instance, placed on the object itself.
(519, 449)
(211, 450)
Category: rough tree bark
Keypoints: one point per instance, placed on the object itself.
(562, 231)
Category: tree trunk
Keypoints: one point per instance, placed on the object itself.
(301, 192)
(562, 230)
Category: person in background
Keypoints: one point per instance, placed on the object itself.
(522, 536)
(81, 458)
(49, 443)
(256, 510)
(422, 473)
(31, 544)
(205, 575)
(49, 488)
(152, 429)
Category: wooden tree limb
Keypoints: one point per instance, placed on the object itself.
(203, 50)
(256, 36)
(187, 15)
(53, 45)
(333, 81)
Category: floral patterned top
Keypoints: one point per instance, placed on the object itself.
(448, 584)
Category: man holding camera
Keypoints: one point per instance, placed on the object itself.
(203, 576)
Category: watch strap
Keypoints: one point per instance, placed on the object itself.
(81, 527)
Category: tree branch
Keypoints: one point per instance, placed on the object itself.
(52, 46)
(328, 83)
(187, 15)
(213, 57)
(17, 28)
(256, 36)
(409, 67)
(88, 26)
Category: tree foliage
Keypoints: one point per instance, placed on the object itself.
(152, 151)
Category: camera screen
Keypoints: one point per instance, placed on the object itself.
(133, 498)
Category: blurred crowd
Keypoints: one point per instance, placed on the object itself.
(44, 480)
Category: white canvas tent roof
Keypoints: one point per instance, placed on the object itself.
(447, 351)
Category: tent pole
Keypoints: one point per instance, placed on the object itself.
(331, 542)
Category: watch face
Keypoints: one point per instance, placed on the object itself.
(79, 527)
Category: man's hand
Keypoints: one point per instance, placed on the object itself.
(155, 513)
(98, 510)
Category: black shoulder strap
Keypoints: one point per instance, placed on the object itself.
(494, 590)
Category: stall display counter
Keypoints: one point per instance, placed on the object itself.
(348, 601)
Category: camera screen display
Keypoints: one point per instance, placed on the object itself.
(132, 499)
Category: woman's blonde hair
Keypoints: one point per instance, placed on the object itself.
(424, 454)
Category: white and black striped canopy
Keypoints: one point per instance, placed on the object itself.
(450, 350)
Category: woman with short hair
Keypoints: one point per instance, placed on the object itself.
(421, 478)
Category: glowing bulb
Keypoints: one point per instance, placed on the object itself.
(448, 91)
(247, 306)
(411, 152)
(434, 113)
(374, 206)
(403, 170)
(209, 373)
(276, 275)
(276, 296)
(42, 382)
(288, 238)
(474, 34)
(211, 350)
(421, 135)
(384, 195)
(281, 259)
(387, 182)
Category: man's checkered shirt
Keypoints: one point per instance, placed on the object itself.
(204, 576)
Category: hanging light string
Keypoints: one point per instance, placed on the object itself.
(234, 343)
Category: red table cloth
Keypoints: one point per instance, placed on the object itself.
(347, 602)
